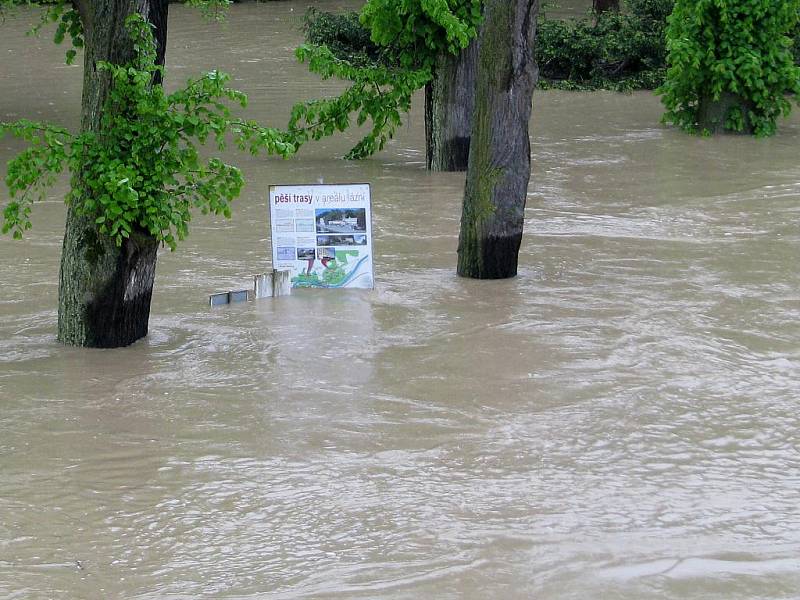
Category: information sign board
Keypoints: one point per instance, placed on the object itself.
(323, 234)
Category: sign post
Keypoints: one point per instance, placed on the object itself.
(323, 234)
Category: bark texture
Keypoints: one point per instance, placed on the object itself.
(105, 289)
(449, 103)
(499, 159)
(712, 114)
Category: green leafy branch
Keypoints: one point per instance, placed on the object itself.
(33, 170)
(68, 24)
(66, 18)
(378, 94)
(141, 171)
(419, 30)
(411, 36)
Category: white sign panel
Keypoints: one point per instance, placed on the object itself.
(323, 234)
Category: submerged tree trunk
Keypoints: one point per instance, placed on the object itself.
(499, 159)
(105, 289)
(713, 114)
(449, 102)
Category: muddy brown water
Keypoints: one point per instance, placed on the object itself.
(619, 421)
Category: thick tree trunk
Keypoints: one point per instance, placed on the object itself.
(601, 6)
(105, 289)
(449, 102)
(713, 114)
(499, 159)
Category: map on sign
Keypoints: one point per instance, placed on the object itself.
(323, 234)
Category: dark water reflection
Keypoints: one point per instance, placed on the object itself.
(619, 421)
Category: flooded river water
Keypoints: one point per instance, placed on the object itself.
(620, 421)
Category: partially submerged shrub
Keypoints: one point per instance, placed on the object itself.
(731, 64)
(343, 34)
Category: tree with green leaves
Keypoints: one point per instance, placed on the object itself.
(136, 173)
(421, 32)
(414, 44)
(730, 65)
(449, 31)
(499, 161)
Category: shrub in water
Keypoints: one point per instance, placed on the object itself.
(731, 64)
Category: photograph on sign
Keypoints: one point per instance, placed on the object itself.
(286, 253)
(333, 228)
(341, 220)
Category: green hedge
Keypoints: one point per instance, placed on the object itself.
(611, 54)
(343, 34)
(620, 52)
(612, 51)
